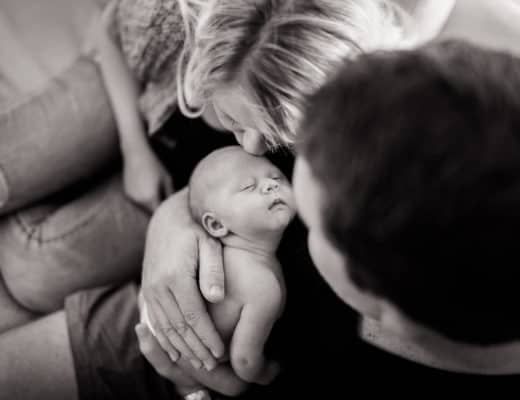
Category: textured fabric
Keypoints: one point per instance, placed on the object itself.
(87, 236)
(151, 36)
(63, 134)
(104, 347)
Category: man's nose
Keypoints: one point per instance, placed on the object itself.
(270, 186)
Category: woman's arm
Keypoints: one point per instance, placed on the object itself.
(146, 180)
(180, 256)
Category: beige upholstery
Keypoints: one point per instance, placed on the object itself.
(39, 39)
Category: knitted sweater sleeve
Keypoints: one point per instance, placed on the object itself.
(151, 35)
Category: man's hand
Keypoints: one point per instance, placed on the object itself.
(222, 379)
(179, 255)
(145, 179)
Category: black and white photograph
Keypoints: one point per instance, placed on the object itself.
(259, 199)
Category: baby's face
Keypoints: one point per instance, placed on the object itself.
(253, 196)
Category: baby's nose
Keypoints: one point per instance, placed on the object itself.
(270, 186)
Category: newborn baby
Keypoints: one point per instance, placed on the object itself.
(246, 202)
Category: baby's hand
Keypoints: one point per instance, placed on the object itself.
(145, 179)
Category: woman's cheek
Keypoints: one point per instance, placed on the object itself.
(253, 142)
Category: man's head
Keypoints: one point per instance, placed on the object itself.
(409, 179)
(232, 191)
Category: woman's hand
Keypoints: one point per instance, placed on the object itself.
(179, 256)
(222, 379)
(145, 179)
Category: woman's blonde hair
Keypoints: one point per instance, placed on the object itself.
(282, 49)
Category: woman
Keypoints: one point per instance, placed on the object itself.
(309, 42)
(165, 274)
(70, 135)
(246, 67)
(378, 29)
(66, 128)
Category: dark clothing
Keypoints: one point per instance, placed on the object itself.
(315, 340)
(105, 350)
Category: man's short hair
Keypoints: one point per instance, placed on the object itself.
(418, 154)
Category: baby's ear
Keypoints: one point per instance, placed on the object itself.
(213, 225)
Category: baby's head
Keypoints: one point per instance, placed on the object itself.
(231, 191)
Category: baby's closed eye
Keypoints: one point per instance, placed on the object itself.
(277, 177)
(248, 185)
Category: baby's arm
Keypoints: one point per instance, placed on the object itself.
(145, 179)
(251, 333)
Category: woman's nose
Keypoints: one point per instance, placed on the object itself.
(251, 140)
(270, 186)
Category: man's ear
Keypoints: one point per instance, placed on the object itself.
(213, 225)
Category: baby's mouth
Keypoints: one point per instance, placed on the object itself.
(277, 202)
